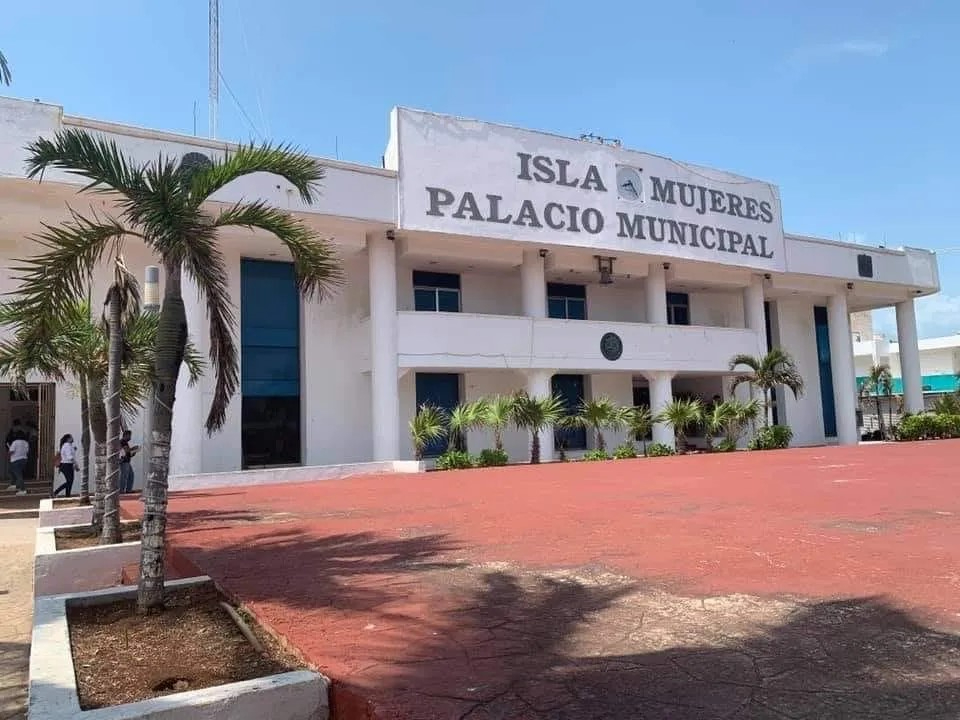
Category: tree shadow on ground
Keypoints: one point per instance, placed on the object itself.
(572, 650)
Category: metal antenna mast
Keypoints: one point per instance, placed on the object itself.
(214, 65)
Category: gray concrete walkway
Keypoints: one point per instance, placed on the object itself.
(16, 613)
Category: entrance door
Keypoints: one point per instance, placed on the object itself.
(570, 389)
(441, 390)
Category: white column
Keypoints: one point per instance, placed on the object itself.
(656, 294)
(661, 395)
(533, 280)
(538, 385)
(753, 315)
(909, 357)
(841, 364)
(189, 410)
(382, 257)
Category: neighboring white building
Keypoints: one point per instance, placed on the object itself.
(939, 362)
(484, 259)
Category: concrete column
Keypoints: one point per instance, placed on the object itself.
(841, 362)
(534, 284)
(189, 409)
(661, 395)
(382, 257)
(656, 294)
(909, 357)
(538, 385)
(753, 315)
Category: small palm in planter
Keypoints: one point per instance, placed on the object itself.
(599, 415)
(428, 425)
(462, 419)
(682, 415)
(536, 414)
(497, 415)
(640, 424)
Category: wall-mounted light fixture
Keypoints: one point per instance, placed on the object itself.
(543, 252)
(605, 268)
(849, 286)
(666, 266)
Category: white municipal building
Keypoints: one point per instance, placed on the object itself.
(484, 259)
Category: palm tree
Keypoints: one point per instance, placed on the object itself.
(537, 414)
(640, 423)
(768, 372)
(879, 380)
(597, 415)
(682, 414)
(5, 77)
(717, 419)
(162, 202)
(461, 420)
(744, 413)
(428, 425)
(497, 416)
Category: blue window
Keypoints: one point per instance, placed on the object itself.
(436, 292)
(774, 395)
(826, 371)
(441, 390)
(566, 302)
(678, 308)
(269, 364)
(570, 389)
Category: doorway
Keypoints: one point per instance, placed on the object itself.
(442, 391)
(570, 389)
(31, 410)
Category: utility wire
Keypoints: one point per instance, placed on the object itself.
(240, 107)
(252, 69)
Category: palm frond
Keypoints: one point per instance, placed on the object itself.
(316, 266)
(90, 156)
(5, 77)
(204, 262)
(296, 167)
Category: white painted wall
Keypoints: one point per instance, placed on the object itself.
(717, 309)
(797, 336)
(486, 384)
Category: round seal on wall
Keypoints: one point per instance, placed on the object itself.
(611, 346)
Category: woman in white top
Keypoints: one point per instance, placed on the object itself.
(67, 454)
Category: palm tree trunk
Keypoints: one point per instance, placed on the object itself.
(601, 441)
(171, 342)
(98, 426)
(111, 495)
(535, 448)
(84, 442)
(879, 414)
(890, 411)
(498, 439)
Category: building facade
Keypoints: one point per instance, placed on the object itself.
(485, 259)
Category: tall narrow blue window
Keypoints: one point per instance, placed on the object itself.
(774, 399)
(826, 371)
(269, 364)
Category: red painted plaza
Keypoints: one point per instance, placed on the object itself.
(591, 589)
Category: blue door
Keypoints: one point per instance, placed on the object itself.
(826, 371)
(269, 364)
(441, 390)
(570, 389)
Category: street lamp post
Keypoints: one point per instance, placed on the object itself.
(151, 304)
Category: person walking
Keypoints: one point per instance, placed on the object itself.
(66, 458)
(19, 451)
(126, 469)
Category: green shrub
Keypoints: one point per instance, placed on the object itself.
(947, 404)
(726, 445)
(596, 455)
(625, 451)
(492, 458)
(927, 426)
(659, 450)
(774, 437)
(455, 460)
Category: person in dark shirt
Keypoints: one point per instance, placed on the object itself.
(126, 469)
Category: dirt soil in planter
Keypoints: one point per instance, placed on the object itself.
(71, 538)
(121, 657)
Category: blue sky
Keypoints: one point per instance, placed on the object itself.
(850, 107)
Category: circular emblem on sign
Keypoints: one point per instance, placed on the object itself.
(611, 346)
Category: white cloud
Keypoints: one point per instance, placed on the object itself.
(937, 315)
(837, 50)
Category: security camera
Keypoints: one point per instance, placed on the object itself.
(666, 266)
(391, 235)
(543, 253)
(766, 276)
(849, 286)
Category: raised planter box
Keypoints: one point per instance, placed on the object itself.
(298, 695)
(81, 569)
(297, 474)
(57, 513)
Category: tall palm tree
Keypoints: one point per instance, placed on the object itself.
(537, 414)
(428, 425)
(767, 372)
(640, 423)
(461, 420)
(5, 77)
(497, 416)
(163, 203)
(879, 380)
(598, 415)
(682, 414)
